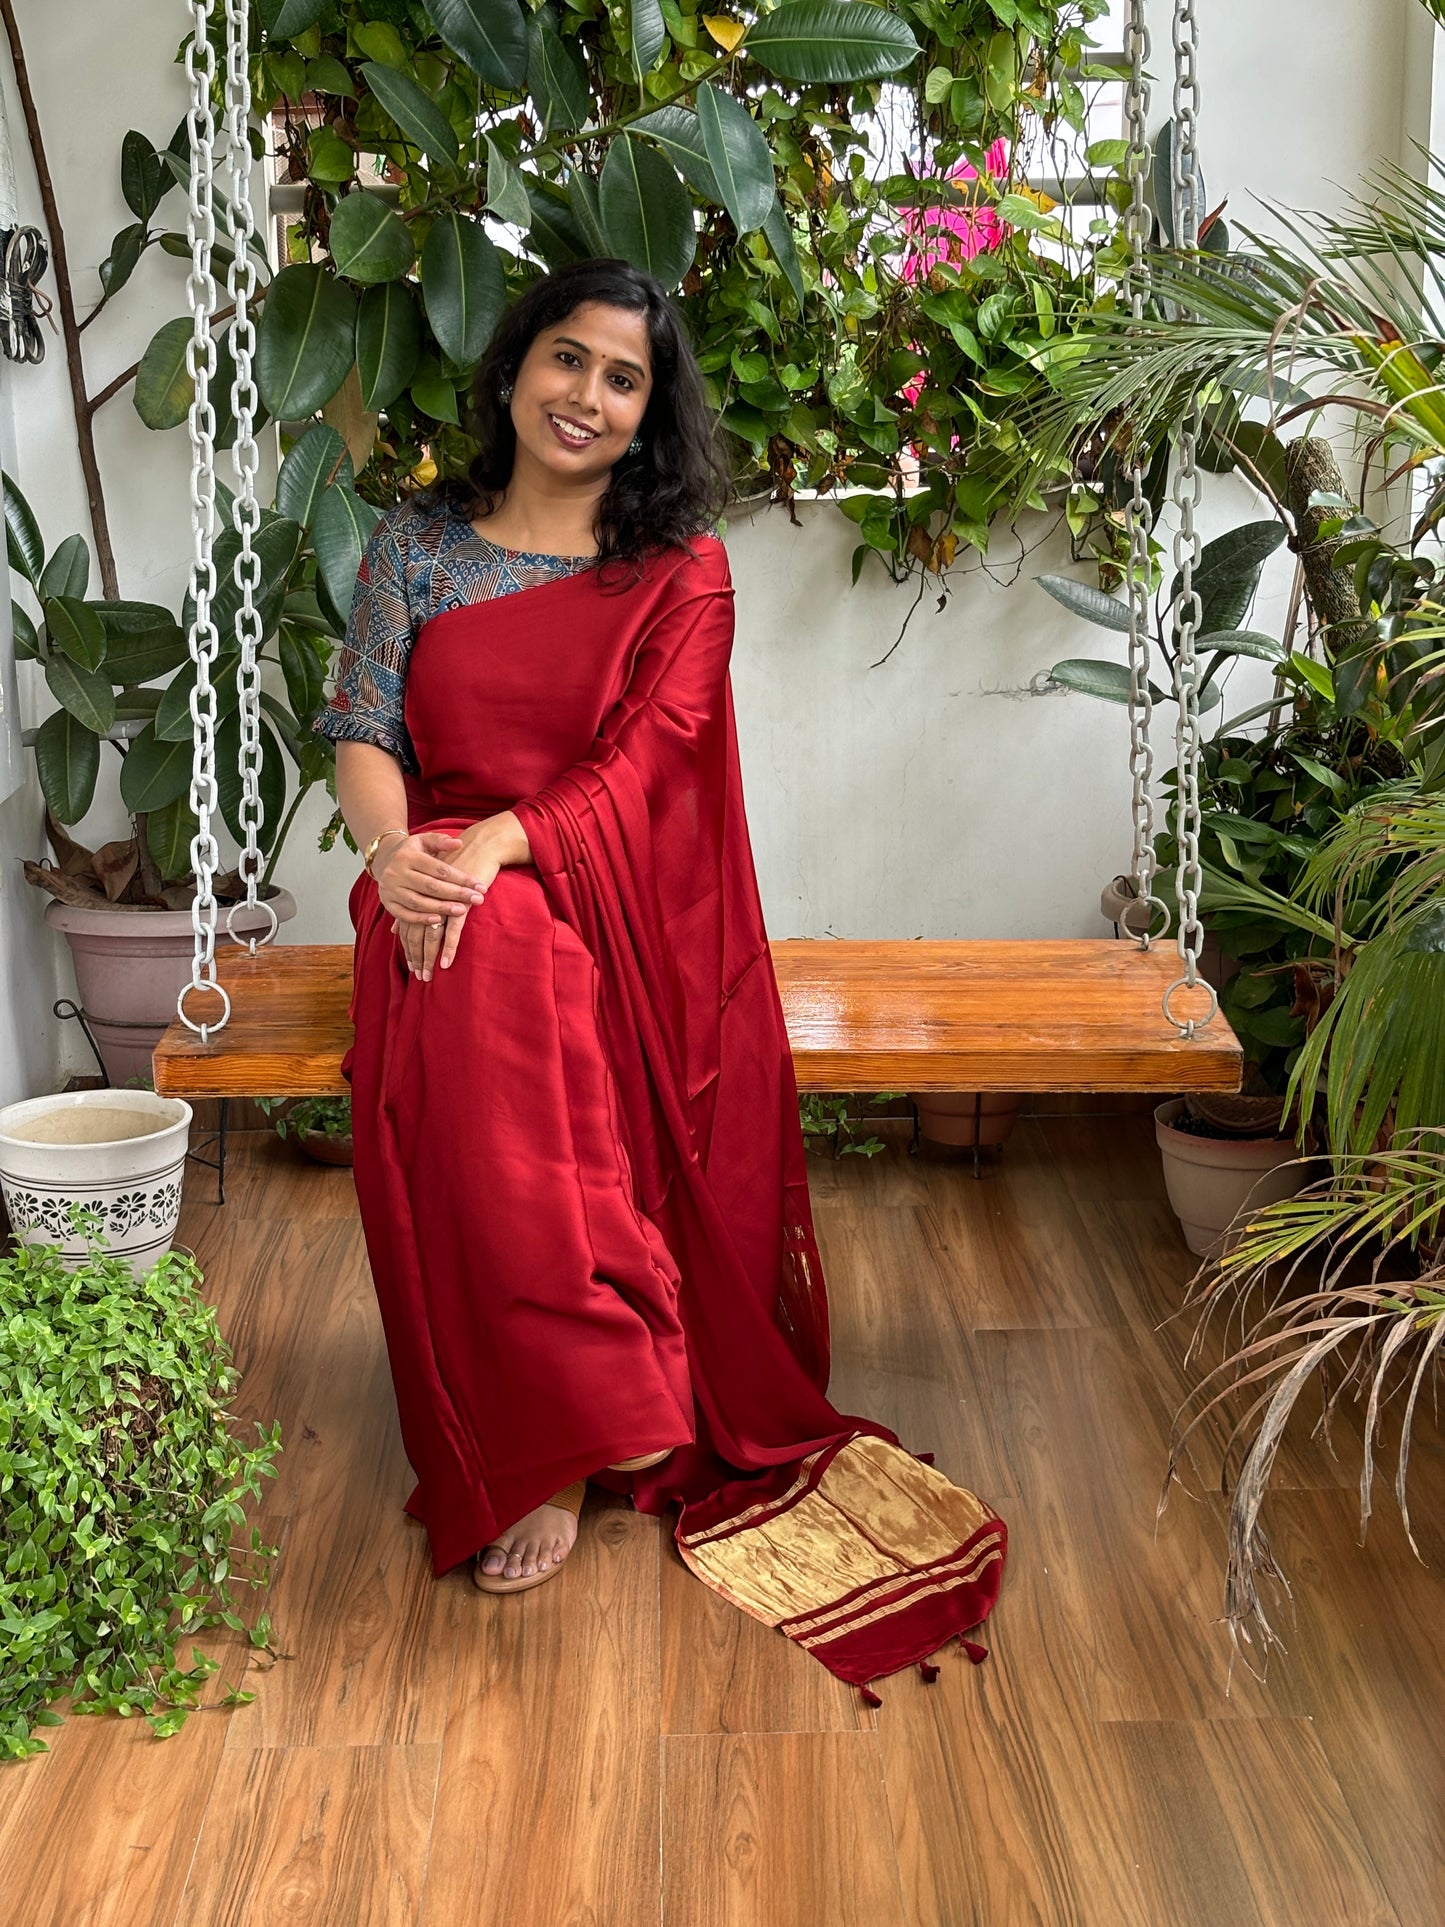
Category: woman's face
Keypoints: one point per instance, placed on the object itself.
(581, 391)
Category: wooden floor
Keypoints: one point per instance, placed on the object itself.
(621, 1748)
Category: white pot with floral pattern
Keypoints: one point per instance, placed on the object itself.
(119, 1153)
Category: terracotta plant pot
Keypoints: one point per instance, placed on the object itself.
(1212, 1179)
(968, 1118)
(325, 1147)
(129, 968)
(121, 1154)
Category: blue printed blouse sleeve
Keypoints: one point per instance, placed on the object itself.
(366, 703)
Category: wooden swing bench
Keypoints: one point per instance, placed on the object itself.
(1080, 1014)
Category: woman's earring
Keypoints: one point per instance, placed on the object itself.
(504, 393)
(634, 447)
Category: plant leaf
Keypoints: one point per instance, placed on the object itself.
(489, 35)
(556, 75)
(506, 189)
(154, 772)
(649, 36)
(67, 760)
(555, 232)
(306, 341)
(646, 211)
(679, 134)
(830, 40)
(169, 832)
(76, 630)
(388, 342)
(228, 779)
(369, 241)
(141, 640)
(67, 573)
(339, 536)
(144, 177)
(1109, 681)
(739, 155)
(1083, 599)
(23, 546)
(172, 720)
(1241, 642)
(313, 462)
(415, 112)
(86, 693)
(779, 231)
(463, 287)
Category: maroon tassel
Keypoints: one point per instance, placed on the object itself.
(929, 1671)
(978, 1654)
(870, 1698)
(924, 1458)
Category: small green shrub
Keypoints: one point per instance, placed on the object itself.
(331, 1115)
(121, 1485)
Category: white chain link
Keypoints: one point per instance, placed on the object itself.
(201, 422)
(246, 512)
(1188, 610)
(1138, 516)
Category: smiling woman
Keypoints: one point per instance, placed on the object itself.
(578, 1153)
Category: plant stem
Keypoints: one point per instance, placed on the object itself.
(303, 790)
(100, 526)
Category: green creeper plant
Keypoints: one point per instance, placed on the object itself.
(122, 1488)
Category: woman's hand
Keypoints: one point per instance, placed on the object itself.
(474, 857)
(423, 890)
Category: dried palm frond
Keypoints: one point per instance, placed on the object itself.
(1356, 1328)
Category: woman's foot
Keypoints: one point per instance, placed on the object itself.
(538, 1542)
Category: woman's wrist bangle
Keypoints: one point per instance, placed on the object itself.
(368, 855)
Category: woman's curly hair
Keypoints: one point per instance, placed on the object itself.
(681, 481)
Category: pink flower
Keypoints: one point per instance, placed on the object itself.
(955, 233)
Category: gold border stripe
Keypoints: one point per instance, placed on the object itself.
(986, 1555)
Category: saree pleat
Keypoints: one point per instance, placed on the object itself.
(578, 1151)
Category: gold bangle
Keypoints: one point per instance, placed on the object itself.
(370, 852)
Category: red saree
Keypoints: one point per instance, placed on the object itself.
(578, 1157)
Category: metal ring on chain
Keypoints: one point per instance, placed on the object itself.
(1148, 934)
(251, 939)
(203, 1030)
(1187, 1026)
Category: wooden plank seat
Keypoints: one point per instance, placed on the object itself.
(1082, 1014)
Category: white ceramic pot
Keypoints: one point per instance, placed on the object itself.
(130, 965)
(121, 1153)
(1210, 1180)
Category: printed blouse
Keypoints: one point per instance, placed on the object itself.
(423, 558)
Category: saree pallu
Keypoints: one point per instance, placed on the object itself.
(578, 1155)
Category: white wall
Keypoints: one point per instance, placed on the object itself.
(926, 797)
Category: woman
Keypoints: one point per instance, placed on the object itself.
(578, 1155)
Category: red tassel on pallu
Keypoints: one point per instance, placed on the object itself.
(870, 1698)
(978, 1654)
(928, 1670)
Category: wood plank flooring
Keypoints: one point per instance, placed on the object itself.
(623, 1749)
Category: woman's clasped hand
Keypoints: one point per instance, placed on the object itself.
(428, 882)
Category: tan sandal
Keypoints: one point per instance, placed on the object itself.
(569, 1501)
(638, 1465)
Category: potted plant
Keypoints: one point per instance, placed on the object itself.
(125, 1485)
(123, 677)
(321, 1126)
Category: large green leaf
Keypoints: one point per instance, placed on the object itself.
(144, 176)
(141, 640)
(1228, 573)
(1109, 681)
(173, 721)
(302, 667)
(23, 545)
(649, 36)
(506, 189)
(555, 232)
(463, 286)
(68, 570)
(646, 211)
(23, 634)
(779, 231)
(272, 780)
(1241, 642)
(275, 544)
(739, 155)
(154, 773)
(124, 257)
(1083, 599)
(285, 19)
(489, 35)
(163, 387)
(169, 832)
(343, 523)
(556, 75)
(582, 199)
(369, 241)
(388, 342)
(76, 630)
(306, 342)
(415, 113)
(86, 693)
(313, 462)
(679, 134)
(67, 759)
(830, 40)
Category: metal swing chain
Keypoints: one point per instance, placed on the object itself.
(201, 424)
(246, 512)
(1188, 610)
(1138, 516)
